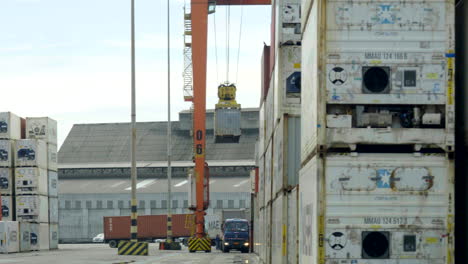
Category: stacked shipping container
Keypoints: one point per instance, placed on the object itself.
(377, 132)
(31, 179)
(279, 142)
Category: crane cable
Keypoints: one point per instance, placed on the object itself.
(216, 47)
(228, 26)
(240, 37)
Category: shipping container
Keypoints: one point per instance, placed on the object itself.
(10, 126)
(6, 153)
(261, 129)
(270, 114)
(377, 206)
(150, 227)
(40, 236)
(293, 225)
(287, 78)
(384, 71)
(54, 236)
(53, 210)
(24, 236)
(261, 179)
(31, 153)
(268, 172)
(32, 208)
(268, 235)
(31, 180)
(213, 225)
(8, 209)
(52, 157)
(9, 237)
(288, 23)
(286, 157)
(265, 70)
(6, 181)
(279, 230)
(43, 128)
(53, 183)
(227, 127)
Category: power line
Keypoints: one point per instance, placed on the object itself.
(228, 26)
(216, 47)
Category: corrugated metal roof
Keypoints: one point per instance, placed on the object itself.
(116, 186)
(108, 143)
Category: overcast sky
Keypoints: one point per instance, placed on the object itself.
(70, 60)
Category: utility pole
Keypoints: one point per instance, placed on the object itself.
(169, 131)
(134, 215)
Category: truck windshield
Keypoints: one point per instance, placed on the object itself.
(237, 226)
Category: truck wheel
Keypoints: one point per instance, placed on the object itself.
(113, 243)
(225, 250)
(192, 251)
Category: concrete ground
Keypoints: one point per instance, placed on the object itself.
(103, 254)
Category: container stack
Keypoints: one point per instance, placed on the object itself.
(278, 154)
(36, 182)
(10, 130)
(377, 132)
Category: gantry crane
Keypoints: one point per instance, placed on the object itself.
(198, 17)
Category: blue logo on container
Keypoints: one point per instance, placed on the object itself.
(383, 177)
(385, 15)
(354, 261)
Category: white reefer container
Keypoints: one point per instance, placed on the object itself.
(292, 229)
(53, 183)
(53, 210)
(24, 236)
(270, 114)
(6, 181)
(54, 236)
(261, 182)
(6, 153)
(52, 157)
(387, 69)
(261, 129)
(40, 236)
(31, 153)
(366, 208)
(278, 230)
(287, 76)
(286, 154)
(31, 180)
(268, 172)
(32, 208)
(8, 211)
(43, 128)
(9, 237)
(10, 126)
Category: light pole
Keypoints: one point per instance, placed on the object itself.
(134, 216)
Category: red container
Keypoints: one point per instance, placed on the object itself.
(266, 71)
(149, 227)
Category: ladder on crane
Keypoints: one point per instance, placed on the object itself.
(188, 67)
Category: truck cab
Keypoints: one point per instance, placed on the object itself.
(235, 235)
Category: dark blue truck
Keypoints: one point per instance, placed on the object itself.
(235, 235)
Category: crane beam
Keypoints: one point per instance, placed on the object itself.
(243, 2)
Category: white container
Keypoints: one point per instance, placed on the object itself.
(31, 180)
(261, 129)
(54, 236)
(349, 201)
(40, 236)
(268, 173)
(279, 230)
(53, 210)
(43, 128)
(6, 153)
(53, 183)
(286, 154)
(32, 208)
(24, 236)
(268, 235)
(10, 126)
(288, 22)
(52, 157)
(6, 181)
(261, 183)
(31, 153)
(269, 114)
(7, 208)
(406, 46)
(287, 77)
(9, 237)
(292, 230)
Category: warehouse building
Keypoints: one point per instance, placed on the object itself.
(94, 172)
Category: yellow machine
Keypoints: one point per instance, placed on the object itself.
(227, 96)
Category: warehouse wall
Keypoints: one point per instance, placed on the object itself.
(81, 215)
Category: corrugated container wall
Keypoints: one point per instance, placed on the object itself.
(40, 236)
(9, 237)
(279, 230)
(268, 173)
(25, 236)
(292, 229)
(54, 236)
(6, 181)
